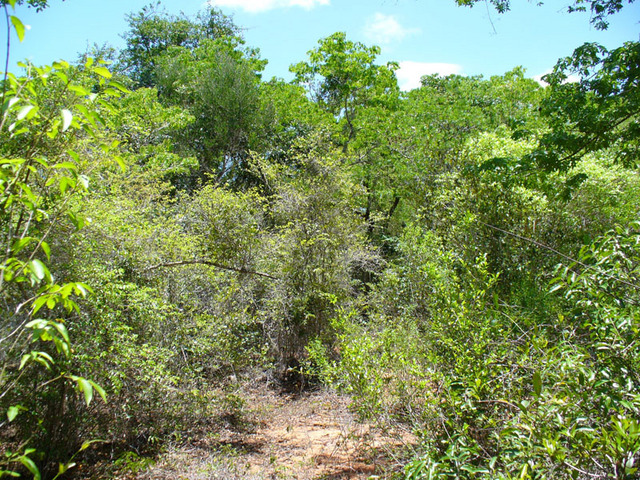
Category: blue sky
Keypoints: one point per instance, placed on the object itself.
(424, 36)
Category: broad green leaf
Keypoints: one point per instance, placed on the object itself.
(67, 117)
(68, 165)
(61, 65)
(62, 76)
(38, 269)
(27, 462)
(86, 388)
(12, 3)
(79, 90)
(82, 289)
(13, 412)
(120, 163)
(537, 383)
(65, 183)
(73, 155)
(19, 245)
(19, 26)
(24, 111)
(100, 391)
(38, 303)
(103, 72)
(119, 86)
(62, 330)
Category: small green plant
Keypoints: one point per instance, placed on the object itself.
(131, 462)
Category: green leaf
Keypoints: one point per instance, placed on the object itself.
(46, 249)
(24, 111)
(65, 183)
(61, 65)
(38, 303)
(86, 388)
(120, 163)
(19, 26)
(38, 269)
(67, 165)
(86, 444)
(100, 391)
(13, 412)
(27, 462)
(119, 86)
(79, 90)
(67, 117)
(62, 330)
(19, 245)
(82, 289)
(537, 383)
(12, 3)
(103, 72)
(10, 473)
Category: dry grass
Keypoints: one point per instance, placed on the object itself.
(311, 436)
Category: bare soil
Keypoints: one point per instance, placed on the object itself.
(311, 436)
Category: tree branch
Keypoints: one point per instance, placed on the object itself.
(210, 264)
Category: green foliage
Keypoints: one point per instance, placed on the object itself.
(217, 83)
(150, 133)
(37, 4)
(315, 242)
(396, 246)
(599, 9)
(152, 33)
(50, 121)
(342, 77)
(598, 112)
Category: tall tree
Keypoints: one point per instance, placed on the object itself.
(153, 31)
(218, 83)
(343, 77)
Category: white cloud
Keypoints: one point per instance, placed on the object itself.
(254, 6)
(570, 78)
(384, 29)
(409, 73)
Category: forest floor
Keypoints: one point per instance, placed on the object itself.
(307, 436)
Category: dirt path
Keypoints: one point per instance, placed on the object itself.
(308, 437)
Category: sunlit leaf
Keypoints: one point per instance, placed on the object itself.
(24, 111)
(86, 388)
(13, 412)
(67, 117)
(103, 72)
(38, 269)
(19, 26)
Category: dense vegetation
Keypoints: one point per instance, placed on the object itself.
(463, 258)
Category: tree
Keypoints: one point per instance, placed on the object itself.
(152, 32)
(601, 111)
(342, 77)
(218, 84)
(600, 9)
(37, 4)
